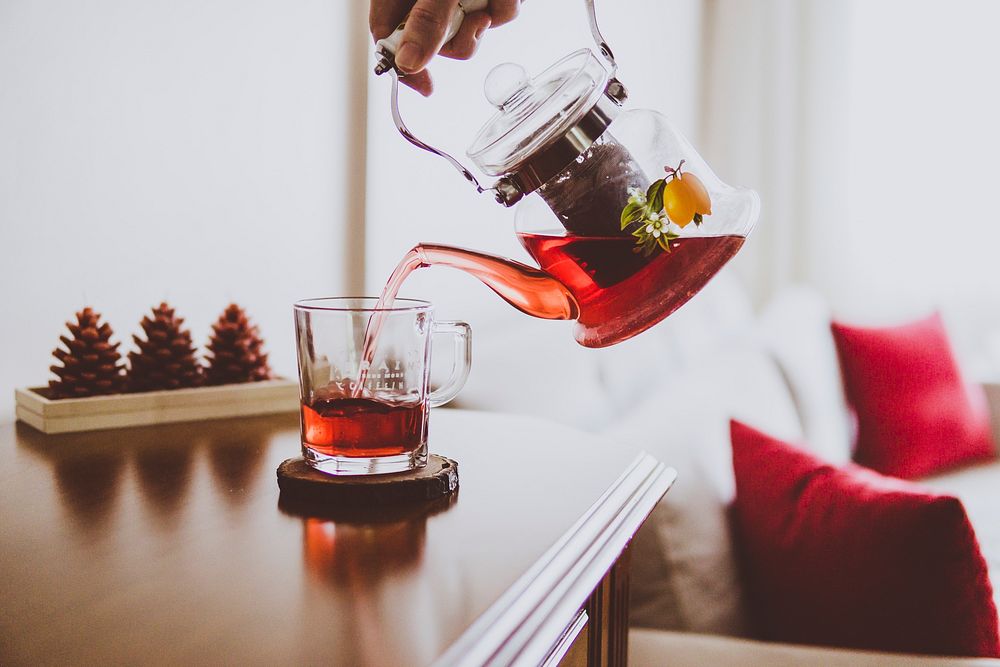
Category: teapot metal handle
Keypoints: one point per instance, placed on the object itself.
(595, 32)
(505, 191)
(397, 118)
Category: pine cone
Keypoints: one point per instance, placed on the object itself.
(166, 359)
(90, 361)
(234, 350)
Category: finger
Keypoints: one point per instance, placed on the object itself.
(504, 11)
(465, 42)
(385, 15)
(424, 33)
(420, 82)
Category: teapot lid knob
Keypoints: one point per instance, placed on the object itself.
(504, 82)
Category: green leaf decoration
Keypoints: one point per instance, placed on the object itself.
(665, 239)
(648, 242)
(654, 195)
(632, 213)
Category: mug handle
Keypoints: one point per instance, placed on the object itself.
(462, 335)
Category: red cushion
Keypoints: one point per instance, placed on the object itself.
(915, 414)
(846, 557)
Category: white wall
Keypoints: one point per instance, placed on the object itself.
(922, 229)
(925, 140)
(414, 196)
(170, 149)
(774, 118)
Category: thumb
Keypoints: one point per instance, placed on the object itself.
(424, 33)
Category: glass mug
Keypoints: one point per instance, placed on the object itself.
(362, 418)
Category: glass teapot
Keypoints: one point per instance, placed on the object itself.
(624, 218)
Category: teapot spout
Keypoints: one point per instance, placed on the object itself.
(528, 289)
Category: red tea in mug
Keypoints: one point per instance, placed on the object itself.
(363, 427)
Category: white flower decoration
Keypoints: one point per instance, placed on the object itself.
(636, 196)
(656, 225)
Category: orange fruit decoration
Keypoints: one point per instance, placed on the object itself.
(678, 202)
(702, 203)
(685, 197)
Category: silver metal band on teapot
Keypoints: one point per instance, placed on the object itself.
(561, 151)
(558, 153)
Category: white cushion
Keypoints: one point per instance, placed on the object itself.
(534, 367)
(717, 315)
(684, 571)
(795, 326)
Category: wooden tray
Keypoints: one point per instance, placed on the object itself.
(154, 407)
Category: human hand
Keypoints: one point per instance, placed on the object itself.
(425, 31)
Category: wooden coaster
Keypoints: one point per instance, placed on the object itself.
(301, 483)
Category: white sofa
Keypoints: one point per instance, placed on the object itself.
(673, 390)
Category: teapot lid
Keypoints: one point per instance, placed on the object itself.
(544, 123)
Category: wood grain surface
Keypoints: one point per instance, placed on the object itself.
(167, 545)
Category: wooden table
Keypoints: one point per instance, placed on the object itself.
(169, 545)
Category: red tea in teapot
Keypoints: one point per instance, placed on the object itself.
(621, 292)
